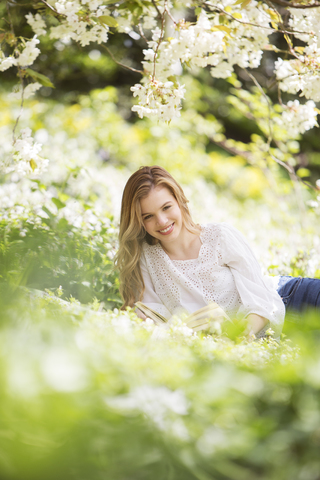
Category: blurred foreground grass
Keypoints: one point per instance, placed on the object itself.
(97, 395)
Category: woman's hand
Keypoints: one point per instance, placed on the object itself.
(255, 324)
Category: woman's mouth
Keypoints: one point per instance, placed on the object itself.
(167, 230)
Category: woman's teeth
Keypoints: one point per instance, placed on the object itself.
(166, 229)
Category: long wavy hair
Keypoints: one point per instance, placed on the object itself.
(132, 233)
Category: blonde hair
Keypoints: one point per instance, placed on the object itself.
(132, 234)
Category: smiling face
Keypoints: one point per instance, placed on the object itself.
(161, 215)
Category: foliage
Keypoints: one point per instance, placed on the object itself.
(55, 256)
(87, 394)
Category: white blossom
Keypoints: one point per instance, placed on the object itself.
(307, 23)
(29, 53)
(6, 62)
(158, 99)
(76, 27)
(25, 156)
(37, 23)
(297, 118)
(28, 91)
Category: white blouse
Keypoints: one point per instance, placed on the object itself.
(226, 272)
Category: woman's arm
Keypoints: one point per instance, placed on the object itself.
(256, 323)
(260, 302)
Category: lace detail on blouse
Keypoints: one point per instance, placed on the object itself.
(226, 272)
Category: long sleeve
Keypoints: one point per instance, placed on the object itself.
(256, 296)
(150, 298)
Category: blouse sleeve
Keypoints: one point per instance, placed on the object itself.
(150, 298)
(256, 295)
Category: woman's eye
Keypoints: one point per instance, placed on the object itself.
(147, 217)
(167, 207)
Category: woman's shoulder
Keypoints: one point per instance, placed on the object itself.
(214, 230)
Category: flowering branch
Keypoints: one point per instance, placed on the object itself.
(282, 30)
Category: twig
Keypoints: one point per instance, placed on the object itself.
(160, 40)
(156, 7)
(121, 64)
(21, 107)
(20, 75)
(142, 32)
(170, 16)
(257, 84)
(52, 8)
(284, 3)
(279, 95)
(10, 19)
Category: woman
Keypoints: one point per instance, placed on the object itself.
(171, 264)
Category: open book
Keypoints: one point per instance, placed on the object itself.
(198, 320)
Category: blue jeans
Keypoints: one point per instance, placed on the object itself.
(299, 294)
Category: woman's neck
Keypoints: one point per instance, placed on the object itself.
(187, 247)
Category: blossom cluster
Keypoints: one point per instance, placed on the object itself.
(301, 74)
(158, 99)
(79, 26)
(27, 54)
(297, 118)
(207, 43)
(24, 157)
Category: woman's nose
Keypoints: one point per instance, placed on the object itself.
(162, 220)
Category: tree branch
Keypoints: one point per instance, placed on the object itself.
(257, 84)
(156, 7)
(285, 3)
(52, 8)
(160, 40)
(121, 64)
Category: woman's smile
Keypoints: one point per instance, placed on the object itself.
(167, 230)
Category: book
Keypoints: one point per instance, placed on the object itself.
(198, 320)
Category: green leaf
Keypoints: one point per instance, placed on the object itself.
(58, 203)
(47, 211)
(45, 81)
(63, 224)
(107, 20)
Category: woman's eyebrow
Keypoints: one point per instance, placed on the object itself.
(143, 214)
